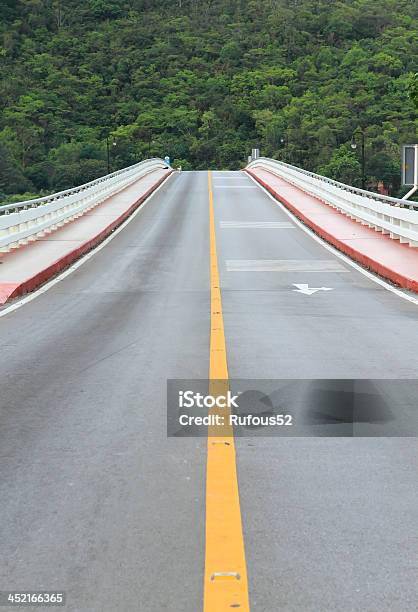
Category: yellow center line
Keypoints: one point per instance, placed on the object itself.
(225, 580)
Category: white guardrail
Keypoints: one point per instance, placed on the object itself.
(24, 222)
(382, 213)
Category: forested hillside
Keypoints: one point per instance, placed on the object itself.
(203, 81)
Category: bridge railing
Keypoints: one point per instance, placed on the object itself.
(23, 222)
(392, 216)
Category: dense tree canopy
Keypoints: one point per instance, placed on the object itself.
(413, 89)
(203, 82)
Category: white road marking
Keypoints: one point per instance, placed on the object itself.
(336, 253)
(306, 290)
(283, 265)
(256, 225)
(80, 262)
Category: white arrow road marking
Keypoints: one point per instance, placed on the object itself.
(306, 290)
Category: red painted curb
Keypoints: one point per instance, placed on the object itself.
(6, 290)
(393, 275)
(9, 290)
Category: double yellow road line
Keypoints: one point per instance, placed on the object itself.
(225, 579)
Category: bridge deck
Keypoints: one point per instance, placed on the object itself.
(28, 266)
(388, 258)
(96, 499)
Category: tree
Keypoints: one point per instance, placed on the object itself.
(76, 163)
(204, 82)
(11, 176)
(22, 118)
(413, 89)
(343, 166)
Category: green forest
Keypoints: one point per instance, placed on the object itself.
(204, 82)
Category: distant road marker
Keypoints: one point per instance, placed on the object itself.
(256, 225)
(230, 178)
(284, 265)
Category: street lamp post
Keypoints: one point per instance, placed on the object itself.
(284, 142)
(108, 151)
(363, 154)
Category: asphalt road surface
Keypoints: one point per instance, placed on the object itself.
(98, 502)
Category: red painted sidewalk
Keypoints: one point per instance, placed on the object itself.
(24, 269)
(382, 255)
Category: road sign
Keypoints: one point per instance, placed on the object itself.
(410, 165)
(410, 168)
